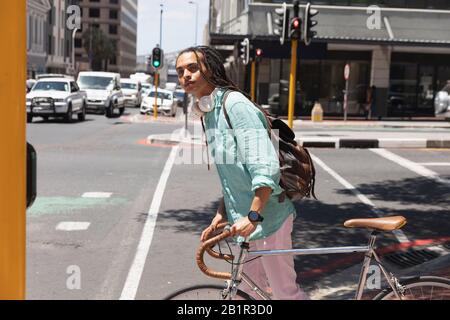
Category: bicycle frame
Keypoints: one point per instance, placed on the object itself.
(238, 275)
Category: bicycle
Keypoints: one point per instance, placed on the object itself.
(412, 288)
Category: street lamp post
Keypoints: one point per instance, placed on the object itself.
(160, 26)
(196, 19)
(73, 50)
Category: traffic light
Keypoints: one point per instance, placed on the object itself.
(245, 51)
(308, 33)
(258, 54)
(157, 58)
(282, 22)
(295, 32)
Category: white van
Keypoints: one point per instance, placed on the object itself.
(131, 92)
(103, 91)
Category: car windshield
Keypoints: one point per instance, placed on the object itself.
(92, 82)
(179, 95)
(161, 95)
(51, 86)
(132, 86)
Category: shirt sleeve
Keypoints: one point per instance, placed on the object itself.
(254, 147)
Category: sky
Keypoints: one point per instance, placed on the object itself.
(178, 24)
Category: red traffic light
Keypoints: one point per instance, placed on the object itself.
(259, 52)
(296, 23)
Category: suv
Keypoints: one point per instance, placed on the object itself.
(103, 91)
(56, 97)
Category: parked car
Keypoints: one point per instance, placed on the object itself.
(131, 92)
(56, 97)
(103, 91)
(442, 102)
(180, 97)
(166, 103)
(146, 87)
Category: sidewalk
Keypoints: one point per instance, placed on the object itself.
(345, 134)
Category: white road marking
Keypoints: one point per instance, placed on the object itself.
(408, 164)
(435, 164)
(73, 226)
(134, 275)
(97, 195)
(399, 234)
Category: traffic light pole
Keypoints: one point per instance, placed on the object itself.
(253, 81)
(13, 150)
(155, 106)
(292, 83)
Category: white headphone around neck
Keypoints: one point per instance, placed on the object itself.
(206, 103)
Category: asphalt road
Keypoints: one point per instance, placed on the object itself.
(138, 217)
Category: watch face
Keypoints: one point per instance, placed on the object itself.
(254, 216)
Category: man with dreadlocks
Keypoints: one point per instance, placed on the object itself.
(250, 187)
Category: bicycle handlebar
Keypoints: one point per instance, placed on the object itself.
(207, 246)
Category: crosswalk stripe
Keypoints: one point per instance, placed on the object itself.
(73, 226)
(96, 195)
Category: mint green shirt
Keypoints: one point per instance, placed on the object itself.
(246, 160)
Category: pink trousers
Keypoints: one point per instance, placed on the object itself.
(275, 274)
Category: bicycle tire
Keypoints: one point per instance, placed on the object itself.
(420, 288)
(204, 292)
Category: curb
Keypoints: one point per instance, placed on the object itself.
(329, 142)
(384, 143)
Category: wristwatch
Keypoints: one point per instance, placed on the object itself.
(254, 216)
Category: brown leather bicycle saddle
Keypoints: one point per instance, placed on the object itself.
(381, 224)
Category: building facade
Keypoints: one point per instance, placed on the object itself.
(402, 48)
(118, 21)
(37, 36)
(59, 43)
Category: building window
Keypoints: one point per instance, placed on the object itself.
(78, 42)
(112, 29)
(94, 13)
(114, 1)
(113, 14)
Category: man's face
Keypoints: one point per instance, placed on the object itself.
(189, 75)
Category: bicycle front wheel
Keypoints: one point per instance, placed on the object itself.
(205, 292)
(422, 288)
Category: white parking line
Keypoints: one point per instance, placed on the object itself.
(399, 234)
(97, 195)
(408, 164)
(73, 226)
(134, 275)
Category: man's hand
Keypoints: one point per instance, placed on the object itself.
(243, 227)
(218, 219)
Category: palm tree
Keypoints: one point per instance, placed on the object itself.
(99, 47)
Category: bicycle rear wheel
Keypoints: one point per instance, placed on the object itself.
(205, 292)
(421, 288)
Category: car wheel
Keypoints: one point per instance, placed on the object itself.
(121, 111)
(29, 118)
(82, 114)
(45, 118)
(109, 111)
(69, 116)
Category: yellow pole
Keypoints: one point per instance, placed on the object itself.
(253, 80)
(155, 106)
(292, 84)
(13, 150)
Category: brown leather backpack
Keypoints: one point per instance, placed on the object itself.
(298, 174)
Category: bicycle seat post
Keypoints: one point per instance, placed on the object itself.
(366, 264)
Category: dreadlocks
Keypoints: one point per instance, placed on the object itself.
(213, 62)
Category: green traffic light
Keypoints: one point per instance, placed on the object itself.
(156, 64)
